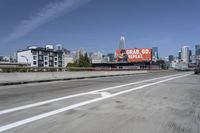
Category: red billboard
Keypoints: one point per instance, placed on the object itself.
(134, 55)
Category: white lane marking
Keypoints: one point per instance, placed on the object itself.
(48, 114)
(76, 95)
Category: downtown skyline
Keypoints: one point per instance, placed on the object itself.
(97, 25)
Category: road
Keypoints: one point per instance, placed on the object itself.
(166, 102)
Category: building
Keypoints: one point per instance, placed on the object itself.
(193, 59)
(79, 52)
(5, 59)
(197, 53)
(69, 57)
(41, 57)
(122, 43)
(58, 47)
(106, 59)
(96, 57)
(190, 56)
(155, 55)
(179, 55)
(1, 58)
(171, 58)
(197, 49)
(111, 56)
(185, 54)
(9, 59)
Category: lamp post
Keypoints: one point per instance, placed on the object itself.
(26, 61)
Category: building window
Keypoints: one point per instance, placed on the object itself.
(45, 63)
(40, 63)
(60, 54)
(40, 57)
(34, 63)
(60, 59)
(51, 53)
(45, 53)
(34, 52)
(50, 58)
(45, 58)
(55, 63)
(34, 57)
(40, 52)
(55, 59)
(55, 54)
(60, 64)
(51, 64)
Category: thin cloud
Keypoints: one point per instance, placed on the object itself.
(43, 16)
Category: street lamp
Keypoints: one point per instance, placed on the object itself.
(26, 59)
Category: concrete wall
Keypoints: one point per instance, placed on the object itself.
(37, 76)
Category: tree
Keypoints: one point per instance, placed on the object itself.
(162, 63)
(83, 61)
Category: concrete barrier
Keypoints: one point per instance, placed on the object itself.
(19, 78)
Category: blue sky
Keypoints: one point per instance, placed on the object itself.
(96, 25)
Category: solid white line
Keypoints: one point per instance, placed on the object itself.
(48, 114)
(77, 95)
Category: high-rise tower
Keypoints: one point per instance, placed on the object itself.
(185, 54)
(197, 53)
(155, 53)
(122, 43)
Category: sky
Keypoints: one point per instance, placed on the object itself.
(96, 25)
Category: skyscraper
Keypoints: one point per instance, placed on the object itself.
(197, 50)
(190, 56)
(185, 54)
(179, 54)
(155, 53)
(197, 53)
(122, 43)
(171, 58)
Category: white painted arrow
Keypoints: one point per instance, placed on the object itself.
(103, 94)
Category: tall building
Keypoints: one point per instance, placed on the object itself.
(197, 53)
(185, 54)
(197, 50)
(190, 56)
(155, 53)
(41, 57)
(171, 58)
(112, 57)
(179, 54)
(122, 43)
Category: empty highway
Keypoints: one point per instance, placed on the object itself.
(163, 102)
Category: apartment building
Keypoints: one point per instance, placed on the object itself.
(41, 57)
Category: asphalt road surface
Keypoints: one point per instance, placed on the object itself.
(166, 102)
